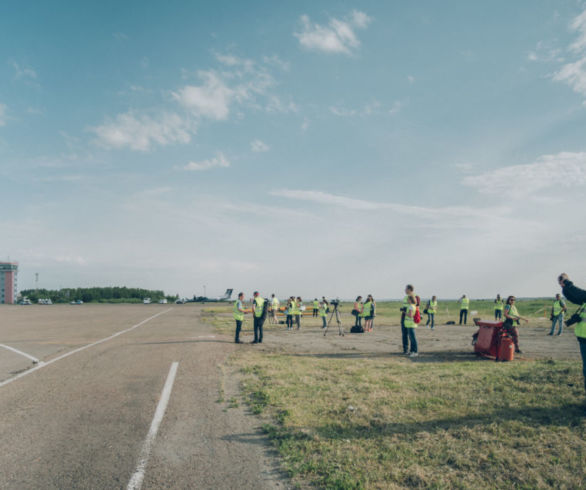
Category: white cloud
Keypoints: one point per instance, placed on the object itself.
(565, 169)
(574, 74)
(3, 114)
(337, 36)
(23, 72)
(259, 146)
(276, 61)
(579, 24)
(212, 99)
(363, 205)
(218, 161)
(142, 132)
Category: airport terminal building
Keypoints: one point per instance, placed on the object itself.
(8, 286)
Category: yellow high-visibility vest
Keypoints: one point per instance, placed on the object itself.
(259, 303)
(580, 329)
(409, 323)
(238, 315)
(465, 303)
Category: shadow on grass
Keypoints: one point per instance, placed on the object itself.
(426, 357)
(560, 416)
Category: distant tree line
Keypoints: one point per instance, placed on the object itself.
(96, 295)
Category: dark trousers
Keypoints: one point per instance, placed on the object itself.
(358, 320)
(583, 352)
(323, 319)
(412, 339)
(238, 328)
(498, 314)
(511, 329)
(404, 335)
(298, 321)
(289, 321)
(431, 319)
(315, 312)
(258, 323)
(464, 315)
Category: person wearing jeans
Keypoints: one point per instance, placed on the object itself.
(557, 314)
(464, 306)
(238, 313)
(410, 325)
(409, 292)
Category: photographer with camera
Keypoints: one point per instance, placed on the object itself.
(578, 297)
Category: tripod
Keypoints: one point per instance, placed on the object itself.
(335, 312)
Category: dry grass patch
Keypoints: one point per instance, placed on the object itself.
(391, 423)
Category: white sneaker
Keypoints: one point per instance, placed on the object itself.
(413, 354)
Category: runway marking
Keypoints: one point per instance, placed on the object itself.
(28, 356)
(79, 349)
(136, 480)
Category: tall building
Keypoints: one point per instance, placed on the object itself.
(8, 289)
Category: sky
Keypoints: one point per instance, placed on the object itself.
(308, 148)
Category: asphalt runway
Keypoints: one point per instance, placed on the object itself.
(122, 396)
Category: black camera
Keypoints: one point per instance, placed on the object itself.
(575, 318)
(335, 302)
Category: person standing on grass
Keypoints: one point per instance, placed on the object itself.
(512, 317)
(322, 313)
(557, 314)
(357, 312)
(315, 308)
(499, 305)
(367, 313)
(289, 313)
(431, 311)
(464, 306)
(409, 292)
(410, 325)
(298, 312)
(578, 297)
(257, 310)
(238, 312)
(275, 303)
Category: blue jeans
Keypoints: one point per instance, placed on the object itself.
(583, 352)
(463, 315)
(559, 318)
(431, 319)
(498, 314)
(323, 319)
(412, 339)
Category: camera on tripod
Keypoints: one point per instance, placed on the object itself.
(335, 302)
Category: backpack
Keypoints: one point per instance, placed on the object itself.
(265, 309)
(417, 316)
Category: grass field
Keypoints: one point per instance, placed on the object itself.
(362, 418)
(379, 423)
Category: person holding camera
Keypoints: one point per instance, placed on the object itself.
(578, 297)
(512, 317)
(557, 314)
(431, 310)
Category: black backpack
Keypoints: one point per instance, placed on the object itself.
(265, 309)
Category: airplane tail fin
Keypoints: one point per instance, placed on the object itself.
(227, 294)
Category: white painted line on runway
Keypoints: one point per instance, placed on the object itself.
(136, 481)
(79, 349)
(34, 359)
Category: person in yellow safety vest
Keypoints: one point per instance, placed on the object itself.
(431, 311)
(511, 317)
(557, 314)
(298, 312)
(464, 306)
(257, 311)
(322, 313)
(238, 313)
(499, 306)
(410, 325)
(409, 291)
(275, 304)
(367, 313)
(315, 308)
(578, 297)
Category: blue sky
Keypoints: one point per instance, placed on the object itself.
(311, 148)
